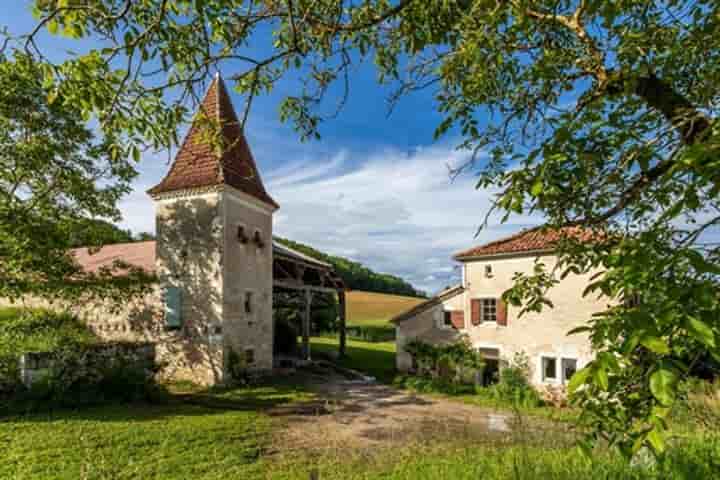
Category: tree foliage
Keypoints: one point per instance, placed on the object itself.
(591, 113)
(55, 178)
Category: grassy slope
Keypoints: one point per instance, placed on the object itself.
(374, 358)
(368, 308)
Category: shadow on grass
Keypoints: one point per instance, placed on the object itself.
(274, 395)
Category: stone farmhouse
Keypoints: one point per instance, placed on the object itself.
(475, 309)
(215, 263)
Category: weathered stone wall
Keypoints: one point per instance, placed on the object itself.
(189, 231)
(181, 354)
(92, 363)
(247, 272)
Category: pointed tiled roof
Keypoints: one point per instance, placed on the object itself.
(538, 239)
(197, 163)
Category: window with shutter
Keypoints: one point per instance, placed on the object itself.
(475, 311)
(501, 313)
(489, 310)
(173, 307)
(458, 319)
(447, 319)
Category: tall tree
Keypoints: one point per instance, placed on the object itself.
(598, 114)
(55, 179)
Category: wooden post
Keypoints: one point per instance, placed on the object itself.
(306, 325)
(341, 314)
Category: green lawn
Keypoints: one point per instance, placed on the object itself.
(220, 434)
(374, 358)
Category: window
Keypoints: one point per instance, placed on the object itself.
(248, 302)
(249, 356)
(258, 239)
(241, 235)
(569, 367)
(488, 270)
(549, 368)
(447, 319)
(489, 310)
(173, 308)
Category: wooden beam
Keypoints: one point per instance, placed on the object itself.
(342, 312)
(295, 285)
(306, 325)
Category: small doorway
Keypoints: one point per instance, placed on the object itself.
(491, 372)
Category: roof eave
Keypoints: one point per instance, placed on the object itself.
(490, 256)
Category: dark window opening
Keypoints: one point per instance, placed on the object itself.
(249, 356)
(248, 302)
(549, 368)
(447, 319)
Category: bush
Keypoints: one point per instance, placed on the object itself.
(698, 403)
(456, 362)
(513, 386)
(23, 331)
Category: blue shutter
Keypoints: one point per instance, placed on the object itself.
(173, 307)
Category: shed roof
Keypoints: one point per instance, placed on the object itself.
(436, 300)
(143, 254)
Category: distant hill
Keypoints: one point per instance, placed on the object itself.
(357, 276)
(376, 309)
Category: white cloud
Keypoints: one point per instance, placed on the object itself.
(394, 211)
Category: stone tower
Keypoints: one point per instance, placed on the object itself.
(214, 247)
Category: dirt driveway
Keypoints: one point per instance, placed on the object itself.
(361, 414)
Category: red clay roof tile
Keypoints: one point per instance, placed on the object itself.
(197, 165)
(535, 239)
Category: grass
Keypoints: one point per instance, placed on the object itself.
(696, 458)
(376, 309)
(175, 441)
(373, 358)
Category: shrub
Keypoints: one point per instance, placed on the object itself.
(455, 362)
(513, 386)
(699, 403)
(24, 331)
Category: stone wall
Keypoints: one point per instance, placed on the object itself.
(247, 284)
(189, 256)
(92, 362)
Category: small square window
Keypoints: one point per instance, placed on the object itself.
(569, 367)
(249, 356)
(248, 302)
(549, 368)
(489, 310)
(488, 270)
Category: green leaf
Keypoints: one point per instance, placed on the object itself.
(656, 439)
(537, 188)
(662, 385)
(601, 377)
(578, 379)
(701, 331)
(655, 345)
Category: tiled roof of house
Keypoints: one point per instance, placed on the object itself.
(142, 255)
(198, 164)
(137, 254)
(536, 239)
(436, 300)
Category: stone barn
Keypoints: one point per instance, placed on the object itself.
(214, 261)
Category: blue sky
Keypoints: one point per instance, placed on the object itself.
(375, 188)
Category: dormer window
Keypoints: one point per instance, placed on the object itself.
(241, 235)
(257, 238)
